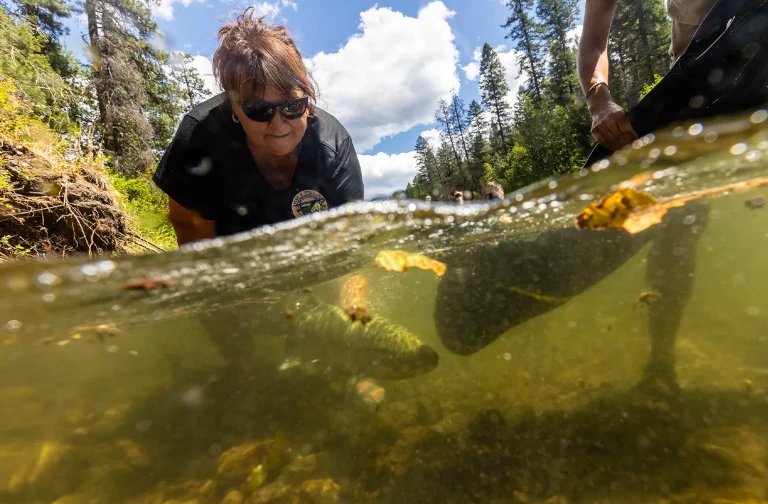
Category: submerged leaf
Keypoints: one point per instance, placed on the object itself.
(400, 261)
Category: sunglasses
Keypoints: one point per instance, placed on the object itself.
(260, 112)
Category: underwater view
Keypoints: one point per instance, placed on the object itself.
(559, 346)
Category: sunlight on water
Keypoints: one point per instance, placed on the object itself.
(170, 378)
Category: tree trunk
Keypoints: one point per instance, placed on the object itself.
(642, 29)
(98, 73)
(529, 52)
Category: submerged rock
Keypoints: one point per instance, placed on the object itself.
(233, 497)
(300, 469)
(320, 491)
(56, 471)
(274, 493)
(237, 464)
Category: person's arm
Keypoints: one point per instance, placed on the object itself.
(188, 224)
(610, 125)
(188, 190)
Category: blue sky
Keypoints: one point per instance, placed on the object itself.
(381, 67)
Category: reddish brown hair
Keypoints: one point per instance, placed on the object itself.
(253, 55)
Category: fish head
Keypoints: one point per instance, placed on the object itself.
(399, 362)
(393, 353)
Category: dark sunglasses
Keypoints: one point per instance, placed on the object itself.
(261, 112)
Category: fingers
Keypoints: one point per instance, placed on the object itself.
(613, 130)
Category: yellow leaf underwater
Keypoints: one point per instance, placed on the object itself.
(400, 261)
(636, 211)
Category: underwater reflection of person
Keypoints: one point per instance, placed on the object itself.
(259, 153)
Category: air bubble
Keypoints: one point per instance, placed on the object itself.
(89, 270)
(738, 149)
(759, 116)
(695, 129)
(48, 297)
(670, 150)
(49, 279)
(710, 137)
(13, 326)
(507, 356)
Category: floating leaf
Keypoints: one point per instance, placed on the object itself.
(400, 261)
(636, 211)
(613, 211)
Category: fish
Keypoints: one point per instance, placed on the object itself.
(324, 335)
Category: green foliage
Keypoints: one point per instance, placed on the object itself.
(42, 89)
(647, 88)
(558, 18)
(8, 249)
(147, 206)
(638, 47)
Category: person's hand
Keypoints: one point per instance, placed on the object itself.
(610, 124)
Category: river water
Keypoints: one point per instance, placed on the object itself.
(110, 394)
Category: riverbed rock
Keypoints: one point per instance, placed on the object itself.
(273, 493)
(233, 497)
(237, 463)
(318, 491)
(298, 470)
(56, 471)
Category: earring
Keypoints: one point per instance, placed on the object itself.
(235, 119)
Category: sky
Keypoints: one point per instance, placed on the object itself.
(381, 67)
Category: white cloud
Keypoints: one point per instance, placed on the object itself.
(384, 174)
(389, 77)
(433, 138)
(472, 70)
(508, 59)
(205, 70)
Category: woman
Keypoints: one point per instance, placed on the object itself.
(260, 152)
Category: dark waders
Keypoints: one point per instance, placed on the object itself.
(486, 291)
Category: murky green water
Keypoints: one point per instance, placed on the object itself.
(556, 410)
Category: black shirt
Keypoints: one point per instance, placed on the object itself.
(209, 168)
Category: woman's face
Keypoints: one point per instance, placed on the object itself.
(279, 136)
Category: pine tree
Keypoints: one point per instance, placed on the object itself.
(558, 18)
(479, 150)
(494, 89)
(638, 47)
(476, 119)
(526, 34)
(444, 118)
(459, 123)
(188, 79)
(137, 102)
(427, 176)
(46, 18)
